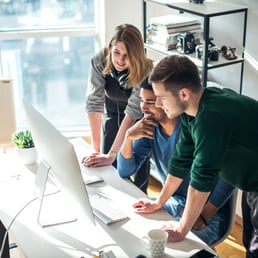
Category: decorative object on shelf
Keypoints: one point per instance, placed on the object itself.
(25, 147)
(185, 43)
(228, 53)
(213, 51)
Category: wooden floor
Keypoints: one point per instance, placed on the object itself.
(231, 247)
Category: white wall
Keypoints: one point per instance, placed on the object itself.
(116, 12)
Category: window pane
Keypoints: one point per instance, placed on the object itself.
(52, 74)
(51, 13)
(47, 55)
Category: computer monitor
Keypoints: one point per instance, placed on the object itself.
(58, 157)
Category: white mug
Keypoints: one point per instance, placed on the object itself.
(155, 241)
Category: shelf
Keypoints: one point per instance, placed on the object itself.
(208, 8)
(211, 64)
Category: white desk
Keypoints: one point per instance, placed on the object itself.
(74, 239)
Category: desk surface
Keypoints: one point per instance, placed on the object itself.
(76, 239)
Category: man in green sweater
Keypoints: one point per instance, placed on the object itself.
(219, 138)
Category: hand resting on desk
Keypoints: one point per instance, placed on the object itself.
(145, 205)
(98, 160)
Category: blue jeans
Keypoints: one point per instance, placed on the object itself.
(216, 227)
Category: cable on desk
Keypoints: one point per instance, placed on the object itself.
(13, 220)
(15, 217)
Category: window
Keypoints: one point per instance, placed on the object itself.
(45, 48)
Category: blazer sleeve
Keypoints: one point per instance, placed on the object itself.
(95, 94)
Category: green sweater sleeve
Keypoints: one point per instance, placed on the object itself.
(181, 161)
(201, 149)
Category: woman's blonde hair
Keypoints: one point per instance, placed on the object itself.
(139, 65)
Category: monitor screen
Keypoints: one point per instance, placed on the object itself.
(56, 151)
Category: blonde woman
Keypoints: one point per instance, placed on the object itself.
(112, 98)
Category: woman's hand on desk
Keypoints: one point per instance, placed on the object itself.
(145, 205)
(98, 160)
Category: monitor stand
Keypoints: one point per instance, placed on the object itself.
(53, 206)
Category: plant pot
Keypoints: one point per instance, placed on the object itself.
(27, 155)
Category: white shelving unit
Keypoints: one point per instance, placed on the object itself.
(206, 12)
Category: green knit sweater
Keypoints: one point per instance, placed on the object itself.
(221, 140)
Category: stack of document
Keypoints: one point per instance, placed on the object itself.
(164, 29)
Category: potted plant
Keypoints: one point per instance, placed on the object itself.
(25, 146)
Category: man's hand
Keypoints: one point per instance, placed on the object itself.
(98, 160)
(142, 128)
(146, 206)
(175, 234)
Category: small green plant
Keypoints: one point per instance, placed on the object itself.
(23, 139)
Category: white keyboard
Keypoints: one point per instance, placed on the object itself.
(105, 209)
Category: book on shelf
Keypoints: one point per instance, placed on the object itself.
(172, 40)
(196, 26)
(164, 34)
(160, 47)
(168, 45)
(172, 21)
(169, 41)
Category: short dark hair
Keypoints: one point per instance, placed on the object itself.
(176, 72)
(146, 84)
